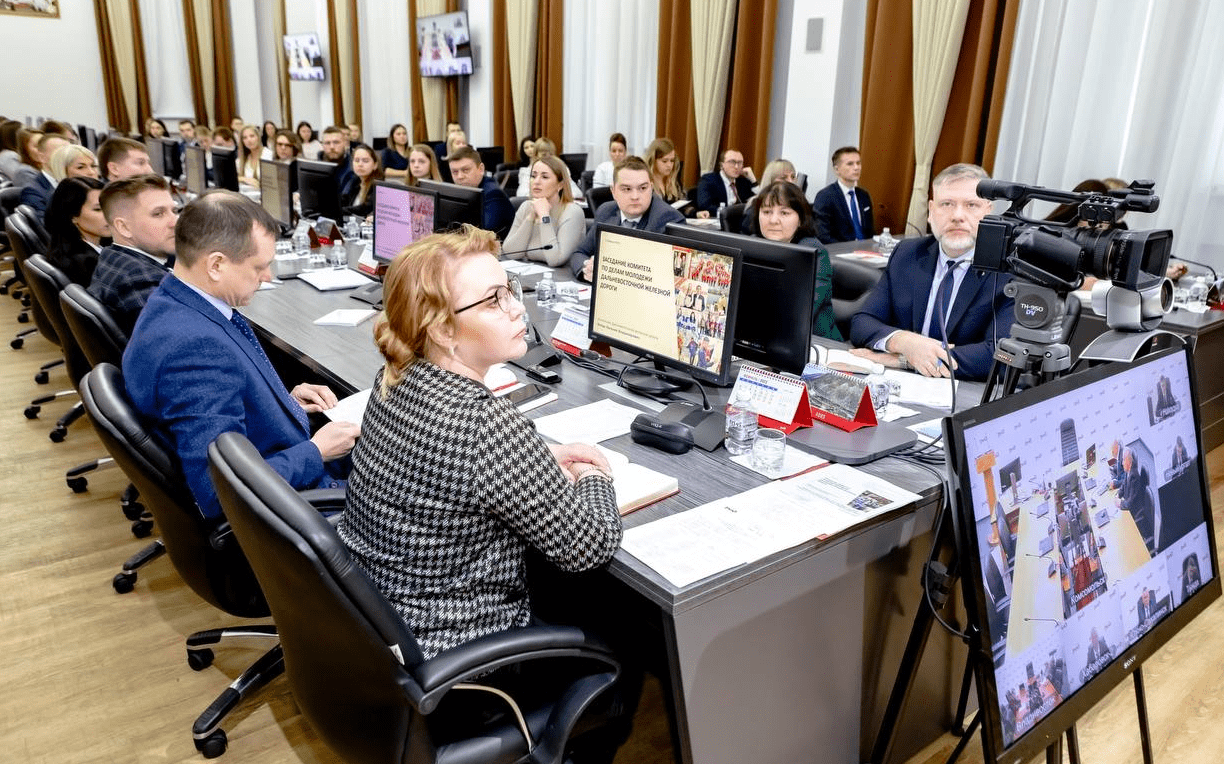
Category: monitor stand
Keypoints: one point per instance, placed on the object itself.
(644, 380)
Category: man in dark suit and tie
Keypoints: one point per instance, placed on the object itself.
(633, 205)
(728, 185)
(37, 194)
(843, 210)
(140, 213)
(194, 368)
(467, 169)
(929, 286)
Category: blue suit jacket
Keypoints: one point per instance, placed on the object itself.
(38, 195)
(832, 209)
(980, 315)
(192, 375)
(498, 211)
(657, 216)
(711, 191)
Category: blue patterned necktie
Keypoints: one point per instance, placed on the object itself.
(939, 314)
(854, 215)
(244, 327)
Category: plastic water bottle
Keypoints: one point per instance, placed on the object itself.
(301, 243)
(741, 425)
(546, 290)
(887, 242)
(1198, 291)
(339, 256)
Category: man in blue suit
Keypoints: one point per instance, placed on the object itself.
(835, 217)
(728, 185)
(633, 205)
(37, 194)
(929, 294)
(194, 368)
(467, 169)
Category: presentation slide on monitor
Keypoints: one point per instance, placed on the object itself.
(401, 217)
(1090, 529)
(668, 300)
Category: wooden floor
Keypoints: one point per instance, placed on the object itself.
(87, 675)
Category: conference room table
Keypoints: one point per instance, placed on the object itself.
(788, 658)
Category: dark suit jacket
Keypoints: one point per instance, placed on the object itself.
(498, 211)
(980, 314)
(123, 281)
(192, 375)
(711, 191)
(833, 223)
(655, 220)
(38, 195)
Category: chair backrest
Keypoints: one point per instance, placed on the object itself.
(576, 163)
(10, 197)
(46, 282)
(24, 243)
(339, 634)
(731, 217)
(36, 226)
(93, 327)
(597, 196)
(586, 180)
(206, 556)
(852, 282)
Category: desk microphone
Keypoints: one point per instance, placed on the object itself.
(541, 248)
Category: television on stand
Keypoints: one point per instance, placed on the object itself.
(1078, 570)
(444, 45)
(304, 57)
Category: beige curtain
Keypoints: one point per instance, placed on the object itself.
(347, 74)
(522, 18)
(433, 89)
(282, 71)
(713, 24)
(121, 23)
(939, 26)
(202, 16)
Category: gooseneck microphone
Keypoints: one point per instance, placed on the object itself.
(541, 248)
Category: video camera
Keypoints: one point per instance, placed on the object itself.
(1051, 259)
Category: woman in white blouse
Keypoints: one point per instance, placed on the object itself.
(550, 217)
(617, 151)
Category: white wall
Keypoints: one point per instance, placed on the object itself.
(51, 67)
(477, 118)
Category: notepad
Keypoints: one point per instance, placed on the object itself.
(637, 486)
(338, 278)
(345, 317)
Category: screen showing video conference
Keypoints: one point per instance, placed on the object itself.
(402, 216)
(1090, 525)
(672, 302)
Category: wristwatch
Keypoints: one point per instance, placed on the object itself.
(546, 219)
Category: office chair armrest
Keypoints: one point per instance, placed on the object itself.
(459, 664)
(324, 499)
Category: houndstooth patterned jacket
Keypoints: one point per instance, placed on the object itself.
(449, 486)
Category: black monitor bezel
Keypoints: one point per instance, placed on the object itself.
(316, 171)
(225, 168)
(286, 196)
(726, 371)
(785, 302)
(1047, 730)
(191, 155)
(451, 197)
(397, 187)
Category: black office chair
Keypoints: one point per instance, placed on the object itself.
(36, 225)
(586, 180)
(518, 201)
(45, 282)
(357, 672)
(202, 550)
(576, 163)
(506, 175)
(24, 242)
(852, 281)
(597, 196)
(731, 217)
(9, 198)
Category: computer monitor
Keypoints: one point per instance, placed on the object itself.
(402, 215)
(276, 189)
(666, 300)
(172, 163)
(774, 324)
(225, 168)
(456, 204)
(1080, 572)
(379, 144)
(157, 160)
(196, 168)
(318, 189)
(88, 136)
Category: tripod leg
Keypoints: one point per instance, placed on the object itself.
(963, 743)
(1145, 736)
(1073, 745)
(1054, 752)
(958, 725)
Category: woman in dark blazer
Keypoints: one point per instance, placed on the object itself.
(77, 227)
(357, 196)
(783, 214)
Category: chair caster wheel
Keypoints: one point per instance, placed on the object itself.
(42, 378)
(31, 412)
(133, 511)
(23, 318)
(213, 745)
(124, 582)
(142, 528)
(199, 659)
(17, 343)
(58, 434)
(78, 484)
